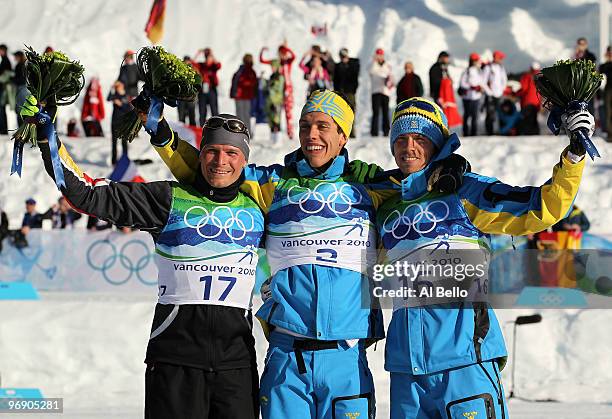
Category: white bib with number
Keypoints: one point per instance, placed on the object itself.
(225, 280)
(348, 245)
(447, 270)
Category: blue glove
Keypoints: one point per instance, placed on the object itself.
(155, 113)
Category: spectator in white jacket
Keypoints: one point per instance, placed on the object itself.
(470, 89)
(382, 83)
(496, 79)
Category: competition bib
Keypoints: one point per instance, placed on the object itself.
(347, 245)
(445, 270)
(321, 223)
(207, 253)
(226, 280)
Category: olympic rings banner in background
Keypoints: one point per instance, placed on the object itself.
(78, 260)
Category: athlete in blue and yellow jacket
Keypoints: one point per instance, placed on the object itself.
(444, 359)
(319, 226)
(319, 233)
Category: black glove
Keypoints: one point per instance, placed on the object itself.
(163, 134)
(447, 175)
(50, 108)
(142, 102)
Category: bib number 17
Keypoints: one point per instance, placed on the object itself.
(208, 280)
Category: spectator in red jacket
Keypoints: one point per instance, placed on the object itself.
(530, 101)
(93, 109)
(244, 86)
(410, 85)
(208, 70)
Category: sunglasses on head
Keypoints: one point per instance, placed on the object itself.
(230, 124)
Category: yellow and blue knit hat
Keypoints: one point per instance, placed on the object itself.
(332, 104)
(418, 115)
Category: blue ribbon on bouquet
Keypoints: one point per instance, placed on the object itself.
(58, 171)
(17, 164)
(155, 110)
(554, 123)
(49, 133)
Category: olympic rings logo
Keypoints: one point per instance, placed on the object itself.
(103, 255)
(551, 298)
(241, 221)
(423, 216)
(335, 197)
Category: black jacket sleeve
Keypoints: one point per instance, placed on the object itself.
(20, 74)
(144, 206)
(5, 64)
(399, 93)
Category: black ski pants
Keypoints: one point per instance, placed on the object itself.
(180, 392)
(207, 99)
(380, 105)
(470, 117)
(491, 106)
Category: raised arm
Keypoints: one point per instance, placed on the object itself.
(261, 56)
(181, 157)
(303, 65)
(495, 207)
(144, 206)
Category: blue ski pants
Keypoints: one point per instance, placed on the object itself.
(316, 379)
(470, 392)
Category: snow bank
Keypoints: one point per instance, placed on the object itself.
(89, 349)
(98, 32)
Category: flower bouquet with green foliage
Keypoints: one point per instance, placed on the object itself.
(52, 80)
(566, 88)
(167, 80)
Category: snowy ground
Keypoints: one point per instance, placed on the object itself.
(89, 349)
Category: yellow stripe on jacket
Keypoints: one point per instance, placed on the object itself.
(556, 201)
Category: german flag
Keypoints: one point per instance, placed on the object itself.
(155, 24)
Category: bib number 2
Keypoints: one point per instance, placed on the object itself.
(327, 255)
(208, 280)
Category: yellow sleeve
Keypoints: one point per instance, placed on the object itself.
(181, 158)
(260, 183)
(183, 161)
(497, 208)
